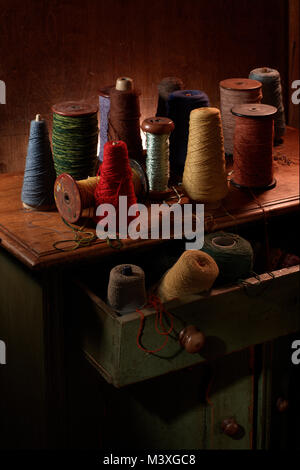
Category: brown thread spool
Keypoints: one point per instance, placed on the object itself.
(126, 289)
(234, 91)
(124, 116)
(75, 199)
(194, 272)
(253, 145)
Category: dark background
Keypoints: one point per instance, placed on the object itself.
(56, 50)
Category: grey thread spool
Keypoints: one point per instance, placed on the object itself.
(126, 289)
(272, 95)
(158, 130)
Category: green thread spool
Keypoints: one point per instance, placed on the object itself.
(75, 139)
(158, 130)
(232, 253)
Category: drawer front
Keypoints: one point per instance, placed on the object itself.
(231, 318)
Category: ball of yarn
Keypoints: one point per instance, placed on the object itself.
(272, 95)
(126, 289)
(39, 175)
(204, 177)
(179, 106)
(232, 253)
(165, 87)
(195, 271)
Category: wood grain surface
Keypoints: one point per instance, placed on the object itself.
(30, 235)
(58, 50)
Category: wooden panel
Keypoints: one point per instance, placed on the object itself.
(30, 235)
(294, 55)
(231, 318)
(55, 50)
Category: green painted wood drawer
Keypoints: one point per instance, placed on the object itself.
(231, 318)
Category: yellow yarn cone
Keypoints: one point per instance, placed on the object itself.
(204, 176)
(194, 272)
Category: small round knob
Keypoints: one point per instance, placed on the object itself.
(158, 125)
(231, 428)
(191, 339)
(282, 405)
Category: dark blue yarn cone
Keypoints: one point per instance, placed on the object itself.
(39, 175)
(179, 105)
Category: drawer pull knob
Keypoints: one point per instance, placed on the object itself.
(191, 339)
(231, 428)
(282, 405)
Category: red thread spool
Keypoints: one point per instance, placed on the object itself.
(253, 145)
(116, 178)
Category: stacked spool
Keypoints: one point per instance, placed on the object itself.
(204, 177)
(39, 174)
(167, 86)
(253, 146)
(158, 130)
(179, 105)
(75, 139)
(124, 117)
(76, 199)
(272, 95)
(234, 91)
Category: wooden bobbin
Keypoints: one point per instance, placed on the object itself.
(124, 84)
(254, 111)
(69, 201)
(158, 126)
(240, 84)
(74, 108)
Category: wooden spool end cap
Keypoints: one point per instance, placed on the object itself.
(240, 84)
(158, 125)
(67, 198)
(254, 110)
(74, 108)
(45, 208)
(124, 84)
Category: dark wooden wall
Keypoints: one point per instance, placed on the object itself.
(55, 50)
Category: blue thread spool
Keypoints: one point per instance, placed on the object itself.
(39, 175)
(180, 104)
(232, 253)
(104, 107)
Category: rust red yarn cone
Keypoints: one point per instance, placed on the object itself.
(115, 180)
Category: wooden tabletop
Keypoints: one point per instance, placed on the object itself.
(30, 235)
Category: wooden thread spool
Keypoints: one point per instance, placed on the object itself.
(234, 91)
(75, 199)
(157, 163)
(252, 157)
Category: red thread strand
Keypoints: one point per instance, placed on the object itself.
(252, 155)
(156, 303)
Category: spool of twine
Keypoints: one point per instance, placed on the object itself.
(179, 106)
(124, 117)
(75, 139)
(272, 95)
(104, 107)
(204, 177)
(116, 178)
(158, 130)
(234, 91)
(165, 87)
(39, 175)
(76, 199)
(253, 145)
(126, 289)
(232, 253)
(194, 272)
